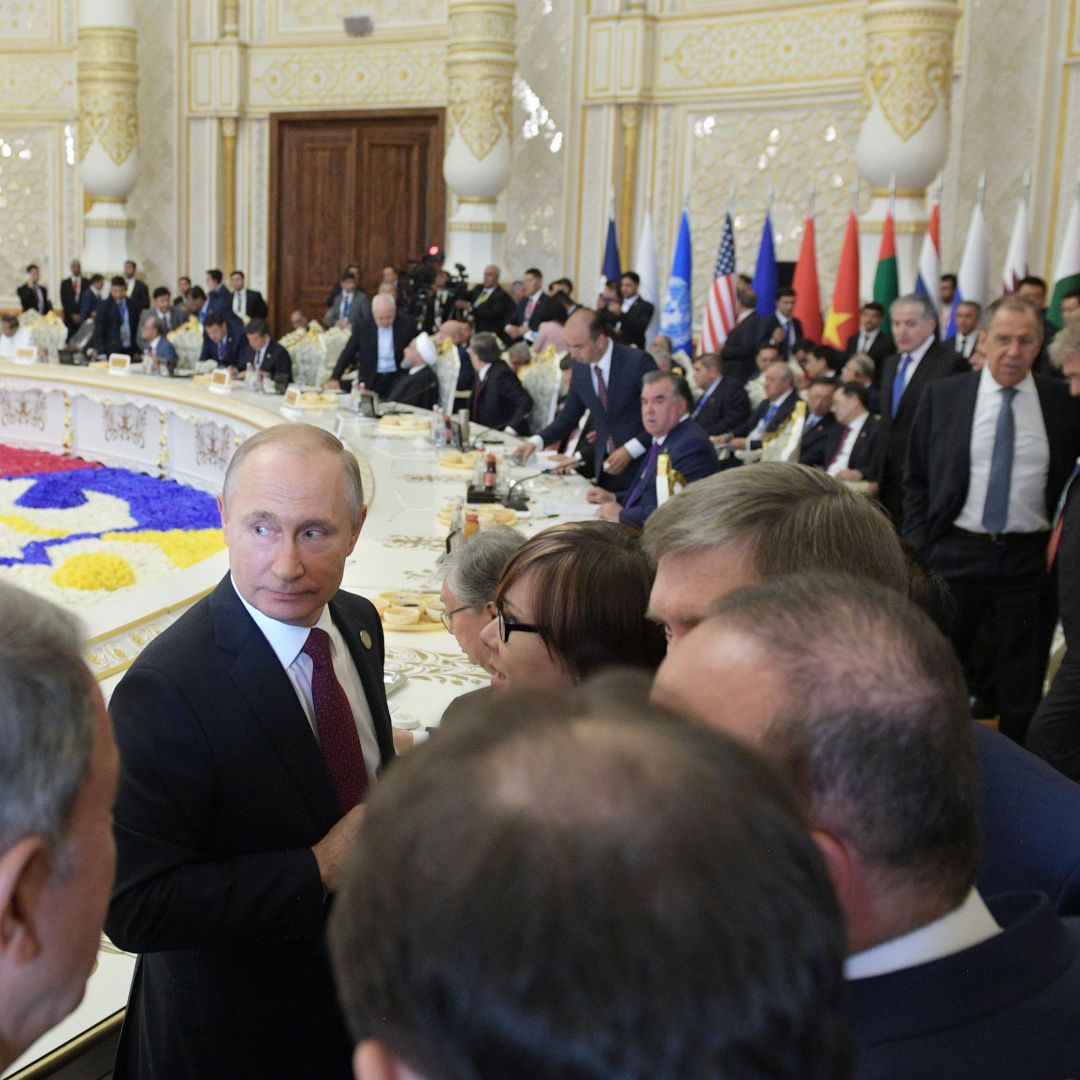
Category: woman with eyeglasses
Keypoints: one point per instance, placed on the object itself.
(571, 601)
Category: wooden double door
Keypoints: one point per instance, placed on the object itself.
(364, 187)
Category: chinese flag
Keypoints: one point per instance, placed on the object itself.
(805, 284)
(843, 320)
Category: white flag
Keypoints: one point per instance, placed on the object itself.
(972, 278)
(1016, 261)
(645, 265)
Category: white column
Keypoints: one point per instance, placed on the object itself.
(905, 133)
(108, 127)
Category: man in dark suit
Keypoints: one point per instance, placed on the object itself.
(137, 293)
(158, 354)
(941, 982)
(781, 328)
(250, 733)
(418, 384)
(269, 358)
(606, 381)
(223, 339)
(723, 404)
(847, 451)
(499, 401)
(71, 292)
(820, 422)
(1033, 289)
(171, 316)
(988, 457)
(665, 415)
(918, 362)
(115, 324)
(218, 298)
(872, 339)
(636, 312)
(534, 308)
(778, 404)
(246, 301)
(861, 369)
(91, 298)
(491, 305)
(963, 342)
(376, 347)
(739, 351)
(350, 305)
(33, 295)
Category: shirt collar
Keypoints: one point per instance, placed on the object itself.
(857, 424)
(989, 385)
(482, 373)
(604, 363)
(922, 350)
(782, 398)
(286, 640)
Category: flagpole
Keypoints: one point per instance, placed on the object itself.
(810, 201)
(731, 199)
(1027, 187)
(892, 194)
(981, 197)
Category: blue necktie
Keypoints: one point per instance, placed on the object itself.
(125, 329)
(996, 509)
(770, 412)
(346, 304)
(898, 382)
(221, 350)
(701, 402)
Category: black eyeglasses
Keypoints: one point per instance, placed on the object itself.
(508, 624)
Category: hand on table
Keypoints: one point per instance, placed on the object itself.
(610, 511)
(617, 462)
(332, 384)
(599, 495)
(523, 452)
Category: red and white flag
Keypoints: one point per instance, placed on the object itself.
(720, 302)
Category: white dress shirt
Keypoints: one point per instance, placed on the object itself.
(288, 642)
(844, 456)
(21, 339)
(867, 339)
(963, 928)
(916, 359)
(239, 302)
(965, 343)
(759, 430)
(1031, 458)
(387, 363)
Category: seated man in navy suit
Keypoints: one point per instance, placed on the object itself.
(223, 339)
(819, 419)
(665, 415)
(778, 404)
(158, 353)
(268, 358)
(870, 721)
(847, 451)
(723, 404)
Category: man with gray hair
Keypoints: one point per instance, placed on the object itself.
(376, 347)
(919, 360)
(250, 732)
(777, 405)
(882, 758)
(58, 774)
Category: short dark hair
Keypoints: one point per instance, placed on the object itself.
(771, 347)
(591, 583)
(196, 292)
(31, 266)
(970, 303)
(786, 291)
(951, 278)
(97, 277)
(680, 388)
(873, 305)
(183, 277)
(235, 272)
(1071, 294)
(215, 275)
(118, 280)
(746, 296)
(1032, 279)
(823, 380)
(347, 276)
(132, 263)
(564, 281)
(162, 290)
(215, 318)
(578, 885)
(635, 278)
(9, 320)
(486, 346)
(257, 326)
(857, 390)
(804, 345)
(710, 359)
(535, 273)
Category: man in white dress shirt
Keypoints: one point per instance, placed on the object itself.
(13, 337)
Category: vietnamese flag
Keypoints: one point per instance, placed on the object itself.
(805, 284)
(843, 319)
(886, 277)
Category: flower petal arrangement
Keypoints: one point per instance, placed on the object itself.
(78, 532)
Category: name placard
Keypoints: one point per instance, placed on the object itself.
(292, 397)
(24, 355)
(119, 364)
(221, 381)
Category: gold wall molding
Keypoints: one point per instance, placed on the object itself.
(478, 226)
(36, 83)
(630, 118)
(107, 81)
(228, 188)
(479, 107)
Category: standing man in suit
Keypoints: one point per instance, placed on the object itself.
(989, 455)
(33, 295)
(156, 346)
(246, 302)
(920, 360)
(872, 339)
(636, 312)
(171, 317)
(499, 401)
(606, 380)
(848, 449)
(218, 298)
(268, 358)
(376, 347)
(491, 305)
(820, 421)
(782, 328)
(71, 291)
(963, 342)
(223, 339)
(137, 292)
(778, 404)
(534, 308)
(91, 298)
(665, 415)
(1033, 289)
(723, 404)
(350, 305)
(250, 733)
(739, 351)
(947, 294)
(115, 324)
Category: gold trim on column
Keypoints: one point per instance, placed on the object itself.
(109, 200)
(107, 80)
(477, 226)
(228, 187)
(477, 200)
(230, 19)
(900, 193)
(630, 116)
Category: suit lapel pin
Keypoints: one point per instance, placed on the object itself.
(365, 639)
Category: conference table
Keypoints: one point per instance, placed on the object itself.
(174, 428)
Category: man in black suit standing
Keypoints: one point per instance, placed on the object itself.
(246, 302)
(534, 308)
(963, 342)
(218, 298)
(92, 298)
(71, 292)
(636, 312)
(606, 381)
(723, 404)
(491, 305)
(499, 401)
(137, 293)
(115, 324)
(989, 455)
(33, 295)
(782, 328)
(739, 351)
(376, 347)
(250, 733)
(872, 339)
(920, 360)
(268, 358)
(777, 405)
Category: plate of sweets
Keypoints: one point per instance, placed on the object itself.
(410, 611)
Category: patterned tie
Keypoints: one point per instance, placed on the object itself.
(839, 447)
(338, 739)
(996, 508)
(647, 475)
(899, 381)
(601, 393)
(125, 328)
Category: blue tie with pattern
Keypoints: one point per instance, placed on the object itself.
(996, 508)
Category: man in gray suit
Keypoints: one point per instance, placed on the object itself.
(171, 315)
(351, 305)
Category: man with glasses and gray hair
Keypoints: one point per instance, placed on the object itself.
(58, 776)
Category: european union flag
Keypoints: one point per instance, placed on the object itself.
(612, 263)
(765, 278)
(675, 320)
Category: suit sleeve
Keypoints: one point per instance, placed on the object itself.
(515, 395)
(566, 419)
(735, 408)
(168, 894)
(916, 486)
(349, 356)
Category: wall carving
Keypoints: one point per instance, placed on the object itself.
(479, 109)
(27, 19)
(26, 206)
(31, 83)
(258, 148)
(108, 81)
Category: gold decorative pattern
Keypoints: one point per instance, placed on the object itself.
(26, 212)
(23, 409)
(214, 444)
(426, 665)
(416, 543)
(108, 81)
(314, 16)
(32, 83)
(125, 423)
(479, 109)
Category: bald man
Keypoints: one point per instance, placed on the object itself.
(375, 348)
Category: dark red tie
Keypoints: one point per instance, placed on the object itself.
(601, 393)
(839, 447)
(338, 739)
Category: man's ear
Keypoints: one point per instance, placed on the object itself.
(23, 874)
(357, 528)
(374, 1060)
(838, 862)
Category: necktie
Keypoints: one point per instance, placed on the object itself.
(601, 393)
(770, 412)
(221, 349)
(862, 343)
(346, 305)
(483, 296)
(37, 295)
(125, 329)
(996, 508)
(1059, 520)
(78, 286)
(529, 308)
(839, 447)
(899, 381)
(477, 387)
(645, 477)
(259, 359)
(338, 739)
(238, 302)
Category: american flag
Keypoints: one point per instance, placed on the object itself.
(720, 303)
